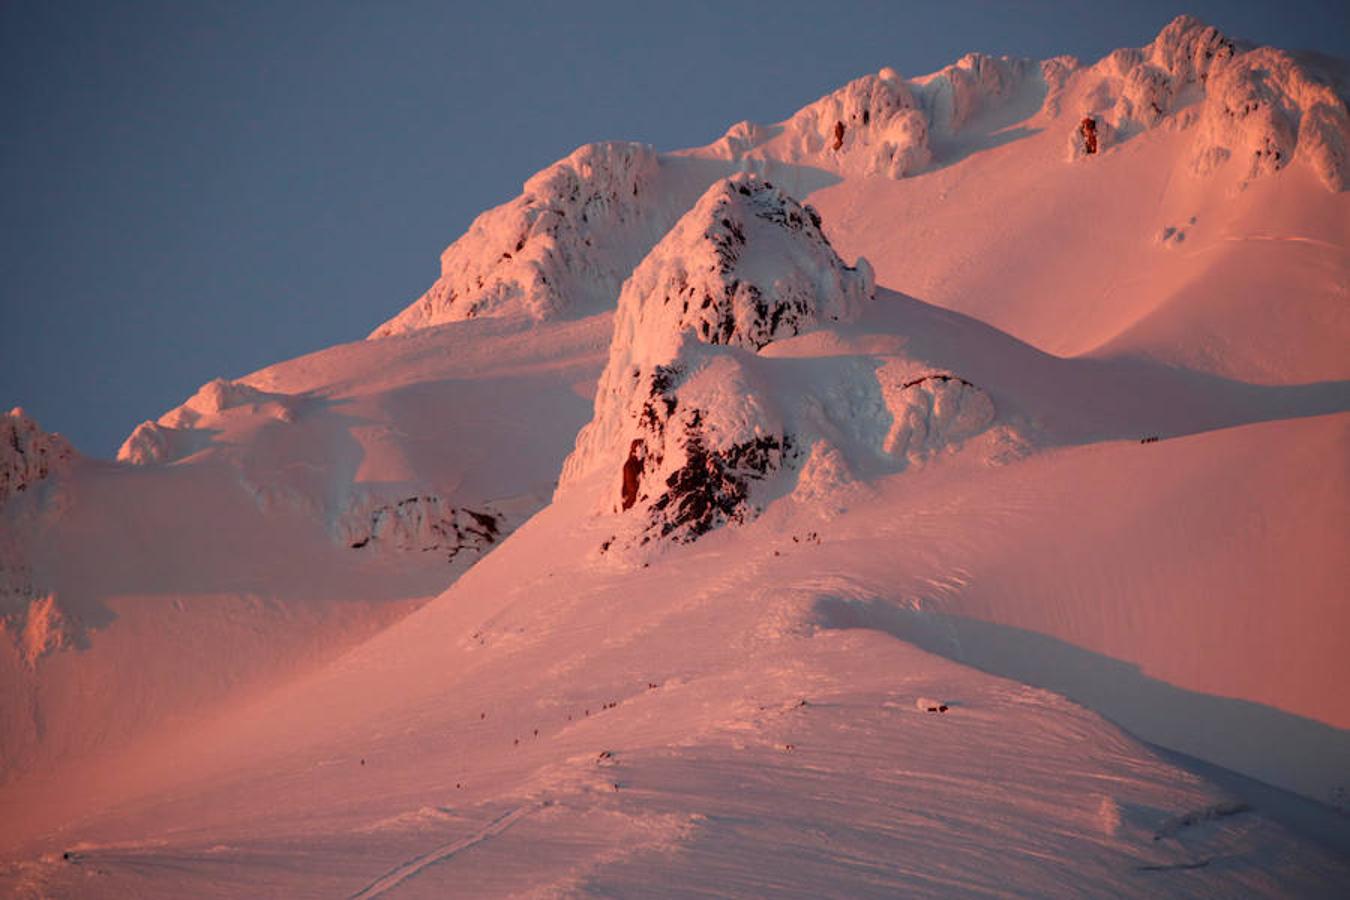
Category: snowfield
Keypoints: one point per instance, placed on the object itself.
(928, 495)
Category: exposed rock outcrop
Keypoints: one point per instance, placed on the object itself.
(28, 454)
(423, 524)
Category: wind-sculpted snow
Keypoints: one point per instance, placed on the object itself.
(1259, 107)
(566, 242)
(182, 431)
(28, 454)
(931, 412)
(689, 417)
(882, 124)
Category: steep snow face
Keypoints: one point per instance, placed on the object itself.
(28, 454)
(685, 420)
(1259, 108)
(566, 242)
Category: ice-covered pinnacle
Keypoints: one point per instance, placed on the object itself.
(871, 126)
(748, 264)
(27, 453)
(568, 240)
(679, 422)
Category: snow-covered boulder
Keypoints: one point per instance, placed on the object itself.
(566, 242)
(684, 422)
(28, 454)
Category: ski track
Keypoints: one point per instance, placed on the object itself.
(399, 874)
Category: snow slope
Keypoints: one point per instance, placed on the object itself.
(550, 725)
(1073, 419)
(283, 517)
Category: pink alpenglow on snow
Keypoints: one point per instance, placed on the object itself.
(939, 492)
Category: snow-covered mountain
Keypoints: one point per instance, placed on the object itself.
(941, 491)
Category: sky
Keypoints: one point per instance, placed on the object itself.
(194, 190)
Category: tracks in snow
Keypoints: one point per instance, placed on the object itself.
(401, 873)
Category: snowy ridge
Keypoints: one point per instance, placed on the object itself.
(28, 454)
(178, 433)
(1258, 107)
(567, 241)
(582, 224)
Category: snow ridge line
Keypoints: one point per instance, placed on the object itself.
(399, 874)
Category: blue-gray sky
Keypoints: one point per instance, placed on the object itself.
(200, 189)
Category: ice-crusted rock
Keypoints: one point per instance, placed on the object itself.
(567, 241)
(1258, 107)
(682, 423)
(28, 454)
(421, 523)
(882, 124)
(931, 412)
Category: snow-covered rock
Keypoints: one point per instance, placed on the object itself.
(1258, 107)
(422, 523)
(931, 412)
(182, 431)
(683, 422)
(567, 241)
(28, 454)
(977, 83)
(882, 124)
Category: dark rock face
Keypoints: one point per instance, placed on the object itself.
(839, 133)
(28, 454)
(713, 488)
(632, 473)
(1087, 133)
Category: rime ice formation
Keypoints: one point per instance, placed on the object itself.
(178, 433)
(682, 422)
(882, 124)
(571, 238)
(1258, 107)
(423, 523)
(931, 412)
(27, 453)
(567, 241)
